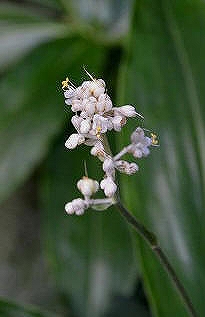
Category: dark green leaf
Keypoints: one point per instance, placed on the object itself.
(163, 74)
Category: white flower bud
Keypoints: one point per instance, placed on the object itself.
(140, 151)
(69, 93)
(137, 135)
(108, 166)
(104, 103)
(76, 120)
(98, 91)
(133, 168)
(127, 111)
(87, 186)
(69, 208)
(98, 150)
(85, 126)
(74, 140)
(126, 167)
(97, 87)
(140, 143)
(76, 105)
(101, 82)
(90, 106)
(77, 206)
(118, 122)
(109, 187)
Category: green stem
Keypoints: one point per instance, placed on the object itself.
(151, 239)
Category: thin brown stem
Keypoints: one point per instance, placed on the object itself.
(151, 239)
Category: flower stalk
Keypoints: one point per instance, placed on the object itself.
(94, 116)
(152, 241)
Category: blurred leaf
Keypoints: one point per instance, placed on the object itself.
(113, 15)
(163, 73)
(91, 256)
(31, 105)
(17, 40)
(52, 4)
(11, 309)
(15, 13)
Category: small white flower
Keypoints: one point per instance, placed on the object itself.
(69, 93)
(109, 187)
(85, 126)
(133, 168)
(69, 208)
(90, 106)
(74, 140)
(76, 121)
(100, 124)
(108, 166)
(99, 151)
(126, 167)
(97, 87)
(126, 111)
(104, 103)
(118, 122)
(87, 186)
(76, 105)
(140, 143)
(77, 206)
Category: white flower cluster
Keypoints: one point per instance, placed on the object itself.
(94, 116)
(94, 112)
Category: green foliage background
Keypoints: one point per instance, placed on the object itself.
(151, 54)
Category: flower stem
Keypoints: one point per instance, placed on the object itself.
(151, 239)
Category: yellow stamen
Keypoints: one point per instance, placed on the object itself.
(65, 83)
(154, 139)
(98, 130)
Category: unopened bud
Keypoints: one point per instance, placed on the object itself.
(126, 167)
(87, 186)
(77, 206)
(108, 166)
(109, 187)
(74, 140)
